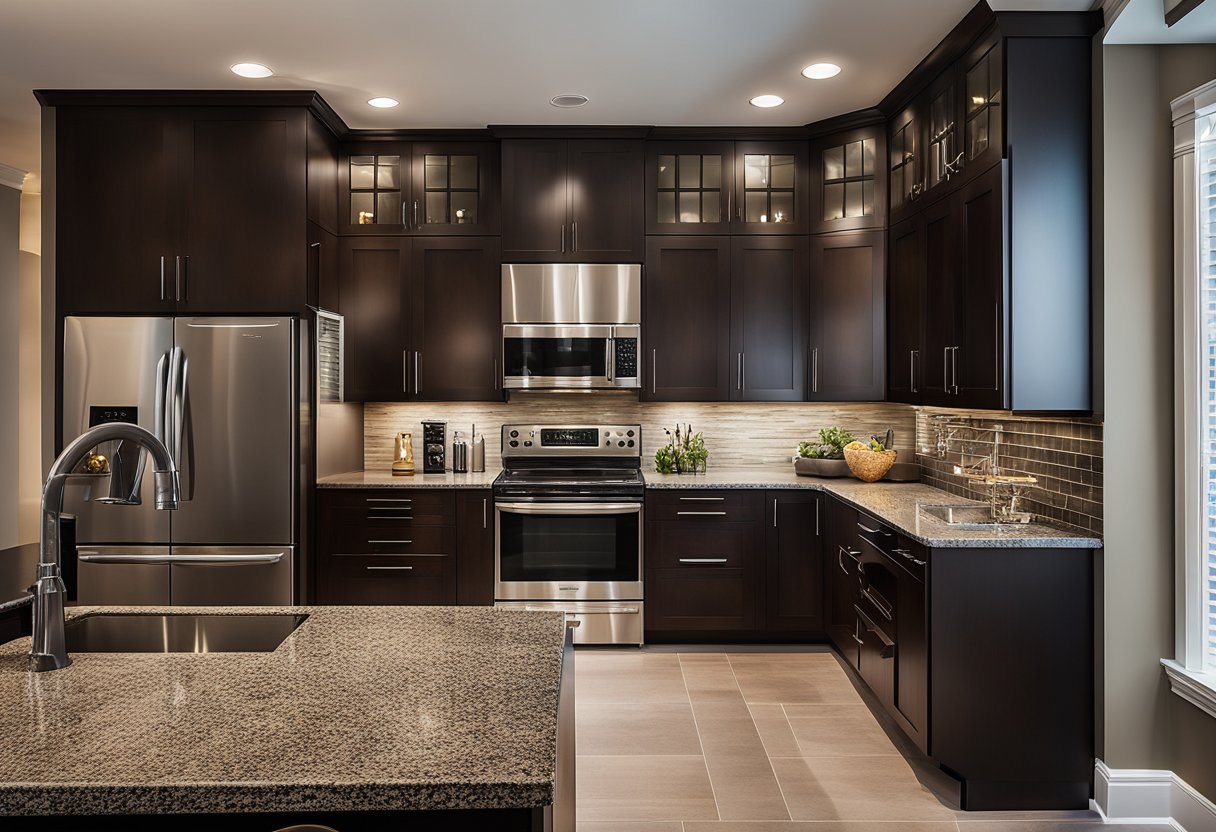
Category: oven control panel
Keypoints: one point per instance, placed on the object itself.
(571, 440)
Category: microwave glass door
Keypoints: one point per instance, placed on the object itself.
(582, 544)
(539, 358)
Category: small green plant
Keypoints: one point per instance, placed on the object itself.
(665, 460)
(830, 446)
(684, 453)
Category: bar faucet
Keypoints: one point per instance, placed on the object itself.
(49, 650)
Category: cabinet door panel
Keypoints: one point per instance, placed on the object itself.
(456, 188)
(375, 296)
(941, 299)
(115, 216)
(534, 200)
(768, 318)
(912, 659)
(474, 547)
(981, 281)
(374, 189)
(848, 180)
(606, 195)
(700, 598)
(687, 319)
(793, 598)
(244, 193)
(771, 184)
(847, 317)
(689, 187)
(905, 288)
(840, 566)
(456, 323)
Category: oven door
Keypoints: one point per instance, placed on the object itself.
(547, 356)
(576, 551)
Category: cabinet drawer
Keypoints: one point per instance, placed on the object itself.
(386, 579)
(699, 599)
(383, 538)
(710, 506)
(393, 566)
(430, 507)
(693, 545)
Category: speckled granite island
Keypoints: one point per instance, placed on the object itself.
(361, 714)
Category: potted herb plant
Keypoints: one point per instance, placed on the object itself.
(824, 458)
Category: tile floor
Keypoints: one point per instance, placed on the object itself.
(752, 742)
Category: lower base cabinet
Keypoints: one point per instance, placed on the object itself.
(404, 546)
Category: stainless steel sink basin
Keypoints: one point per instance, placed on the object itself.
(146, 633)
(966, 514)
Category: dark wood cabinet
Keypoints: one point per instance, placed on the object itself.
(905, 312)
(428, 188)
(475, 547)
(940, 259)
(689, 187)
(388, 546)
(572, 201)
(847, 317)
(772, 181)
(323, 268)
(793, 565)
(322, 176)
(455, 328)
(193, 210)
(687, 319)
(905, 177)
(910, 693)
(978, 353)
(848, 189)
(841, 576)
(422, 318)
(768, 318)
(376, 301)
(982, 115)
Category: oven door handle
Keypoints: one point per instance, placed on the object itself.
(569, 508)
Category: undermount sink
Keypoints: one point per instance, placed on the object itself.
(187, 633)
(966, 515)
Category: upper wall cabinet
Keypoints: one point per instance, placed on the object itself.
(574, 200)
(849, 175)
(432, 189)
(847, 360)
(200, 209)
(771, 184)
(905, 182)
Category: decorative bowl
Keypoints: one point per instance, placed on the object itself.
(807, 467)
(867, 465)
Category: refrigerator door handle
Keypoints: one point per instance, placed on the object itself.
(228, 560)
(85, 556)
(160, 414)
(178, 370)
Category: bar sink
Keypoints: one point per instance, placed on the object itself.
(971, 516)
(186, 633)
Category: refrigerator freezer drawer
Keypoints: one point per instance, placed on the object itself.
(123, 575)
(232, 576)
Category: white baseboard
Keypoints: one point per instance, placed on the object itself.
(1151, 797)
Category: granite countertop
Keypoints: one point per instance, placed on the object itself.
(897, 504)
(385, 479)
(361, 708)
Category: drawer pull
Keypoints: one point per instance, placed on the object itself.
(389, 555)
(878, 603)
(702, 499)
(389, 500)
(868, 530)
(389, 568)
(390, 508)
(387, 517)
(702, 560)
(702, 513)
(402, 542)
(860, 641)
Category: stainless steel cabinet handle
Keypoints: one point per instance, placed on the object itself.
(774, 512)
(818, 503)
(742, 371)
(702, 513)
(815, 370)
(389, 508)
(405, 223)
(563, 238)
(390, 568)
(162, 277)
(397, 542)
(702, 560)
(867, 529)
(954, 369)
(878, 604)
(387, 517)
(416, 225)
(912, 370)
(177, 277)
(417, 373)
(945, 369)
(654, 369)
(840, 556)
(859, 640)
(484, 512)
(702, 499)
(574, 235)
(389, 500)
(405, 371)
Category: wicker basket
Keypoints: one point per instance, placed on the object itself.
(867, 465)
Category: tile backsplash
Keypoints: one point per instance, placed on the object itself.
(736, 434)
(1065, 455)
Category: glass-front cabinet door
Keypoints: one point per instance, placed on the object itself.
(455, 188)
(945, 156)
(983, 133)
(848, 191)
(689, 187)
(375, 188)
(771, 188)
(904, 165)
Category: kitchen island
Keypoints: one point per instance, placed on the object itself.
(362, 716)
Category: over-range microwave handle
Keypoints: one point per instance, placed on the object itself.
(609, 358)
(569, 508)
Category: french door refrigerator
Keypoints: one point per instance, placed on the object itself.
(222, 393)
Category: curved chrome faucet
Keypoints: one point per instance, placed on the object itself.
(49, 651)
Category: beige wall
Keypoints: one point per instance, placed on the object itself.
(10, 436)
(29, 458)
(1136, 292)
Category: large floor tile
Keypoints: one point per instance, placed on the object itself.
(745, 788)
(630, 679)
(855, 788)
(628, 826)
(648, 728)
(774, 730)
(817, 826)
(840, 731)
(644, 788)
(728, 731)
(795, 687)
(623, 661)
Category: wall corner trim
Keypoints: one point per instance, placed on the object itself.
(12, 177)
(1147, 796)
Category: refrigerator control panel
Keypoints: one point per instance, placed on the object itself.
(106, 414)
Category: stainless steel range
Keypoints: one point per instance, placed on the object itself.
(568, 526)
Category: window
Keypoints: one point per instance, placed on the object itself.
(1192, 671)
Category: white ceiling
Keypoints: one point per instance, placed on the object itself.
(1143, 21)
(469, 63)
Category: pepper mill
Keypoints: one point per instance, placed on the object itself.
(403, 455)
(460, 454)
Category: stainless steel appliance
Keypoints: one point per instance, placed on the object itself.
(568, 531)
(224, 395)
(574, 326)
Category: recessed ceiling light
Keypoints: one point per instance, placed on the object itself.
(247, 70)
(570, 100)
(383, 102)
(767, 101)
(821, 71)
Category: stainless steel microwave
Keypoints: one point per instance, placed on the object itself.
(572, 326)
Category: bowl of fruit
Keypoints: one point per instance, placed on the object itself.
(869, 462)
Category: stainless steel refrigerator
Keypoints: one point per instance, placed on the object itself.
(223, 393)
